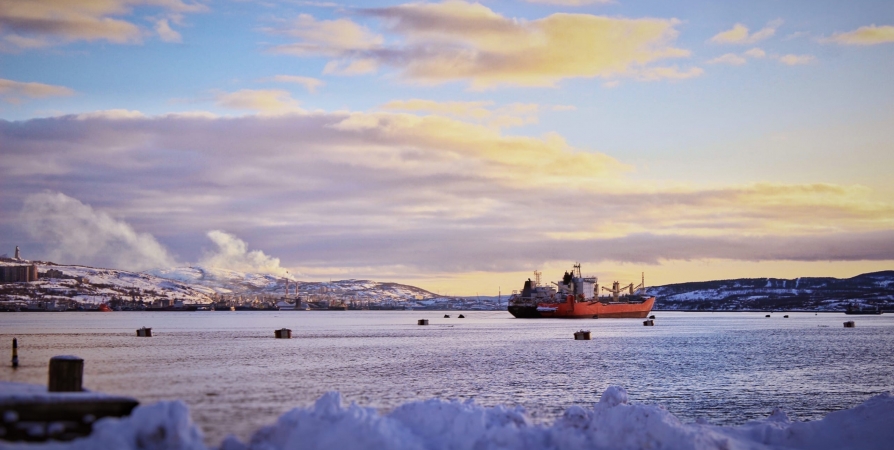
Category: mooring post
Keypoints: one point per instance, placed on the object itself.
(66, 374)
(15, 353)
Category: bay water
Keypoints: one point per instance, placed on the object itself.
(726, 368)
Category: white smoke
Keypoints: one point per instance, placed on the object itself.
(232, 253)
(72, 232)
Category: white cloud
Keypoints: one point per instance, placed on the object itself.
(75, 233)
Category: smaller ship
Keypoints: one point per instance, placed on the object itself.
(577, 297)
(854, 309)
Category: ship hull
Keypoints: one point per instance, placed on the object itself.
(524, 312)
(596, 310)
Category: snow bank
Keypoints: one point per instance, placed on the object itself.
(161, 426)
(612, 423)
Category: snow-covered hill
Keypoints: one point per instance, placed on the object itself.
(224, 281)
(84, 284)
(815, 294)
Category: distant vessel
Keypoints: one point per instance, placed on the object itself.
(853, 309)
(577, 297)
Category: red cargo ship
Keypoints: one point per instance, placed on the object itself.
(577, 297)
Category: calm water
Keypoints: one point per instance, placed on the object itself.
(725, 367)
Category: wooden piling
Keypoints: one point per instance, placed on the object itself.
(66, 374)
(422, 322)
(582, 335)
(284, 333)
(144, 332)
(15, 353)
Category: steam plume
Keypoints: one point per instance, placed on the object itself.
(232, 253)
(76, 233)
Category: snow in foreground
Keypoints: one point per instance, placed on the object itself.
(612, 423)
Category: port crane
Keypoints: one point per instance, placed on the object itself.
(616, 288)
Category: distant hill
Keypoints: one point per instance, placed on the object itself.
(814, 294)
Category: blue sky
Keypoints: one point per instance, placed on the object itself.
(684, 134)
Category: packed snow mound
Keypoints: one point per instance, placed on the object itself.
(612, 423)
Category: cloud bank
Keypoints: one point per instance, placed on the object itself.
(407, 193)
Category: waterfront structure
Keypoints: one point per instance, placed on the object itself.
(17, 274)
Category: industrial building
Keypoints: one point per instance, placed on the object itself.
(16, 274)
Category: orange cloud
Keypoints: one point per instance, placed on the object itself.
(514, 114)
(796, 60)
(457, 40)
(571, 2)
(325, 37)
(41, 23)
(729, 58)
(868, 35)
(13, 91)
(311, 84)
(263, 100)
(739, 34)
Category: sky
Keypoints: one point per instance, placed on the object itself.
(455, 146)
